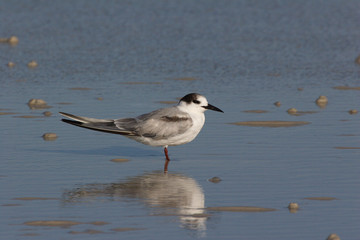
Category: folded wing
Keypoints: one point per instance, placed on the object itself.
(160, 124)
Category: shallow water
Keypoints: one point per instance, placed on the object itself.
(118, 59)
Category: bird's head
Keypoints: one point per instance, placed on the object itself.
(197, 103)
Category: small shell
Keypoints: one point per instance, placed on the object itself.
(353, 111)
(321, 99)
(13, 40)
(37, 104)
(333, 236)
(293, 207)
(32, 64)
(215, 180)
(47, 113)
(49, 136)
(292, 111)
(278, 104)
(11, 64)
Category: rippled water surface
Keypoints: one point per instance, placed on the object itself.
(111, 59)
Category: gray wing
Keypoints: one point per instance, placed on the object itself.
(159, 124)
(103, 125)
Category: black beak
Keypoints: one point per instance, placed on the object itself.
(211, 107)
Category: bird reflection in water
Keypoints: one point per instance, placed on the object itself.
(165, 194)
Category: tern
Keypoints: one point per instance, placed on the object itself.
(164, 127)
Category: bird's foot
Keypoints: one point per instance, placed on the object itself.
(166, 161)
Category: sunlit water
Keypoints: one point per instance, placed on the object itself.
(241, 56)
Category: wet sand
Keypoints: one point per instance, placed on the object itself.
(241, 209)
(123, 59)
(271, 123)
(33, 198)
(52, 223)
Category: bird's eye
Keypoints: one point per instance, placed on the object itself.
(196, 101)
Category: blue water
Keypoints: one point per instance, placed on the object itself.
(242, 55)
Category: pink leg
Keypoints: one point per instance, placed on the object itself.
(166, 161)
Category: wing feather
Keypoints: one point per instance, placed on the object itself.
(162, 123)
(103, 125)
